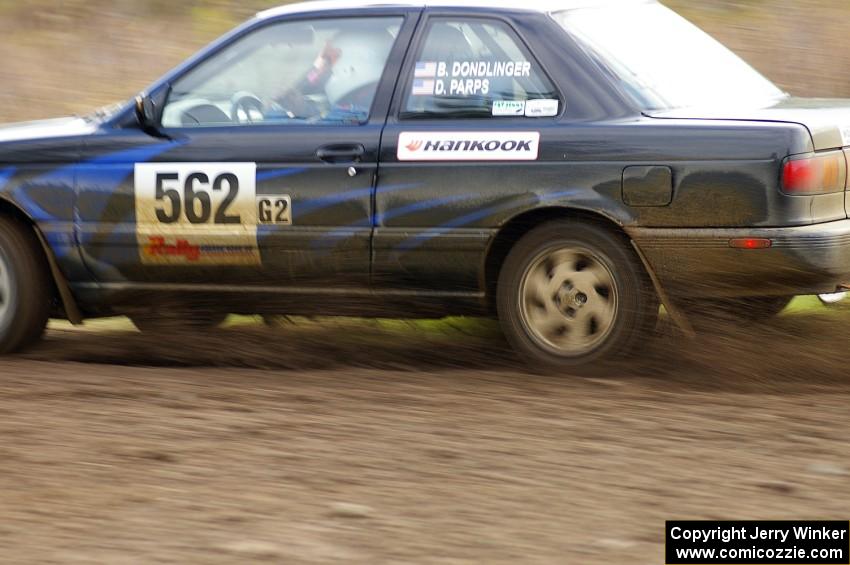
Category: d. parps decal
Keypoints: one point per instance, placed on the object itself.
(464, 78)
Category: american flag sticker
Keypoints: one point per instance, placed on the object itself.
(425, 69)
(422, 87)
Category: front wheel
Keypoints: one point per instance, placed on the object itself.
(571, 293)
(25, 287)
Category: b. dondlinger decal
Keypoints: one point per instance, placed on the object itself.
(468, 146)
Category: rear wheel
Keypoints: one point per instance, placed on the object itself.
(571, 293)
(25, 287)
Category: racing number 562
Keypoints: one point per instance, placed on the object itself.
(195, 199)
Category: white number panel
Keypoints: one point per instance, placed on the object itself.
(197, 213)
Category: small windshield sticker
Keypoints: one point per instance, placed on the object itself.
(508, 108)
(468, 146)
(845, 135)
(541, 108)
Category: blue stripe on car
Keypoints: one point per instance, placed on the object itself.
(419, 239)
(5, 176)
(105, 173)
(420, 206)
(280, 173)
(315, 204)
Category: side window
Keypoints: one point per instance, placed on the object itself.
(307, 72)
(476, 68)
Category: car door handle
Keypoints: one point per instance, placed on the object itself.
(343, 153)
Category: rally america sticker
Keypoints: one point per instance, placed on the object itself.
(468, 146)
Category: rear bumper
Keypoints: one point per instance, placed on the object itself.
(700, 262)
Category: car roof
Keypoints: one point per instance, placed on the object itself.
(546, 6)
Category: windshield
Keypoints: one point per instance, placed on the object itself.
(663, 60)
(320, 71)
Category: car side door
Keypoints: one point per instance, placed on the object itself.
(264, 172)
(468, 125)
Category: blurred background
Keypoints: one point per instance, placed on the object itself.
(60, 57)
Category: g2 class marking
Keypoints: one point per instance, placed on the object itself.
(468, 146)
(274, 210)
(209, 209)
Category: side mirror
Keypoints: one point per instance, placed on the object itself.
(146, 113)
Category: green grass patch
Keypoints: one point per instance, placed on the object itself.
(810, 305)
(449, 326)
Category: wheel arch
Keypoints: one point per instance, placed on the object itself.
(10, 209)
(514, 229)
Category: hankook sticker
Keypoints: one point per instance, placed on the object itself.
(197, 213)
(468, 146)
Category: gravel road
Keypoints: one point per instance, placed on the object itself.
(332, 443)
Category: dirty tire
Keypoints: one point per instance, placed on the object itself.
(25, 287)
(571, 294)
(707, 313)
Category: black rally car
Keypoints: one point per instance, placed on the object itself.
(565, 165)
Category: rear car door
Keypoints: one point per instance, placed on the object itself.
(465, 128)
(266, 171)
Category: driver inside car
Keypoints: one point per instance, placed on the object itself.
(342, 82)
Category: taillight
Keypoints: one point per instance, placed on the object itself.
(750, 243)
(819, 173)
(847, 163)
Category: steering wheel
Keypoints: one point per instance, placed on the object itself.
(246, 108)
